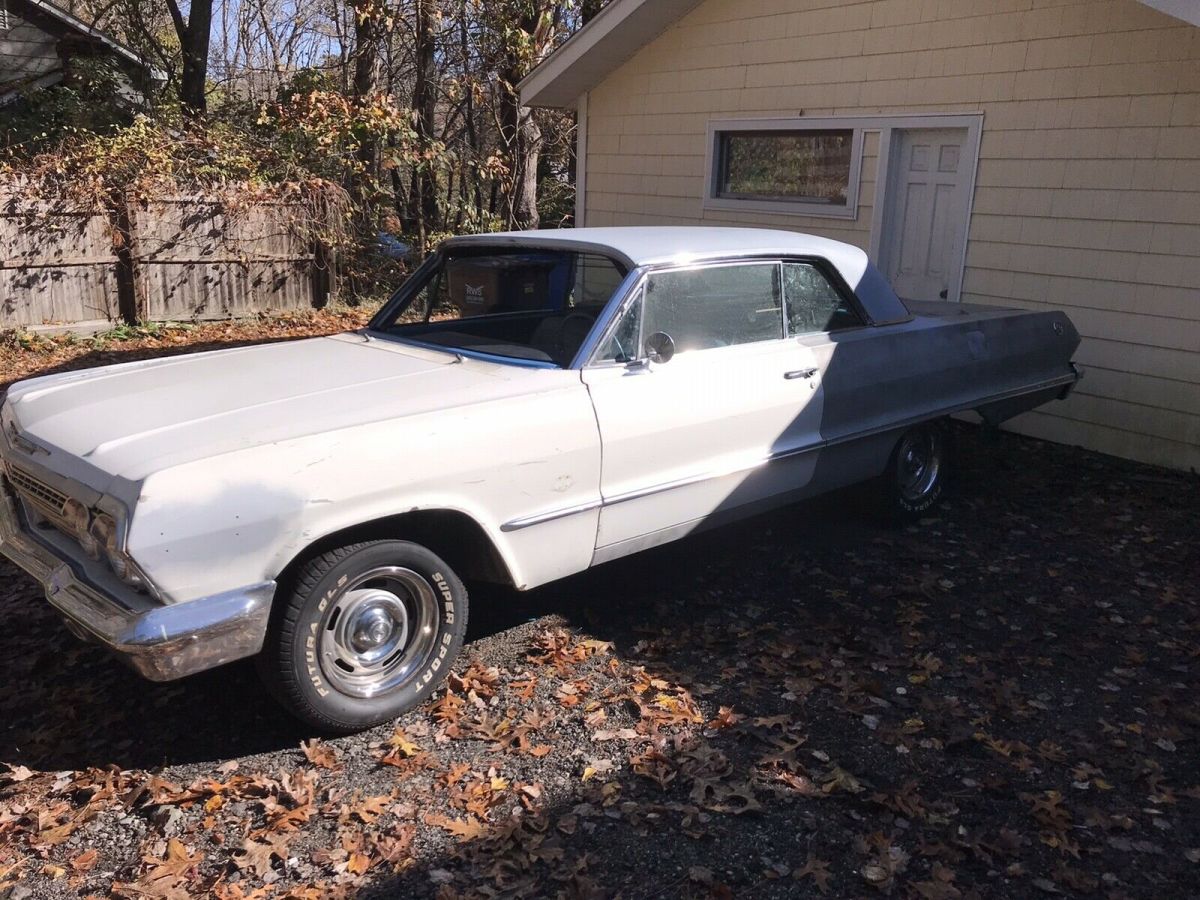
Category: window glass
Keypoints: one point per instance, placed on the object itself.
(432, 301)
(528, 303)
(624, 344)
(805, 166)
(596, 279)
(813, 303)
(715, 306)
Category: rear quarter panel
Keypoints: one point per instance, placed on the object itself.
(947, 358)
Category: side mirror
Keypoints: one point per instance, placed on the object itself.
(660, 347)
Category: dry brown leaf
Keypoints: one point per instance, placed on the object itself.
(817, 870)
(256, 854)
(85, 861)
(320, 754)
(463, 829)
(165, 880)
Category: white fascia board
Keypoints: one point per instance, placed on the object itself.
(617, 33)
(1186, 10)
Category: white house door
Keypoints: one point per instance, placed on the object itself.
(927, 212)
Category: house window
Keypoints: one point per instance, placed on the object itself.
(781, 167)
(3, 15)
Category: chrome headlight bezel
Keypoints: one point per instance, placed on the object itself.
(113, 546)
(81, 527)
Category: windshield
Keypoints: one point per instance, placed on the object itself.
(520, 303)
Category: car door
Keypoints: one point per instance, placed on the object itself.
(725, 422)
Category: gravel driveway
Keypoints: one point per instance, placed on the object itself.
(1002, 701)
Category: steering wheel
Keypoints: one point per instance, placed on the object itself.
(572, 333)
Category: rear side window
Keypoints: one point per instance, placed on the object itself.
(813, 303)
(715, 306)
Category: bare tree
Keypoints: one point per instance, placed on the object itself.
(194, 33)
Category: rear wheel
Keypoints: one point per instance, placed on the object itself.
(916, 475)
(366, 632)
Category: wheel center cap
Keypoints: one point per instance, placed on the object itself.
(372, 630)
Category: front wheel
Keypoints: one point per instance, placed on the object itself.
(916, 475)
(366, 632)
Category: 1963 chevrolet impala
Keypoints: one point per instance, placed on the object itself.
(526, 406)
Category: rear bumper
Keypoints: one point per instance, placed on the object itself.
(160, 642)
(1066, 391)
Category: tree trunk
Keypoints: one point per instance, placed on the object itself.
(523, 142)
(472, 132)
(194, 36)
(423, 199)
(529, 151)
(368, 44)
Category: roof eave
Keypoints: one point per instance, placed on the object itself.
(623, 27)
(1184, 10)
(616, 33)
(96, 34)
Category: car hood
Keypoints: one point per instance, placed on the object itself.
(132, 419)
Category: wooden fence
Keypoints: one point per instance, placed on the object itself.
(177, 258)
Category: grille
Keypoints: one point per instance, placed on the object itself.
(36, 490)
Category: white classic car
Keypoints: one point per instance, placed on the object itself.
(526, 406)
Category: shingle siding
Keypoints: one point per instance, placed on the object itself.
(26, 51)
(1088, 188)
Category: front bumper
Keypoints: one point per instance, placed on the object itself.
(161, 642)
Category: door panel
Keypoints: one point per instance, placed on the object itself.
(688, 438)
(692, 436)
(927, 211)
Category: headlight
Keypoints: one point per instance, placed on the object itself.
(77, 518)
(104, 530)
(106, 535)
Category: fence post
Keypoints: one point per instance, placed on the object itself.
(122, 224)
(322, 274)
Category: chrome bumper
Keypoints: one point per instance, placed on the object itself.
(160, 642)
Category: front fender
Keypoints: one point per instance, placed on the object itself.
(244, 516)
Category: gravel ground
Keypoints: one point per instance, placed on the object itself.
(998, 702)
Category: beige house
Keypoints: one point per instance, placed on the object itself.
(1016, 152)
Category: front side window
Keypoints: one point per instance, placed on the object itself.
(813, 303)
(524, 304)
(624, 345)
(714, 306)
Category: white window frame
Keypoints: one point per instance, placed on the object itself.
(4, 21)
(719, 127)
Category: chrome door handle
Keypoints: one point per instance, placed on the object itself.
(799, 373)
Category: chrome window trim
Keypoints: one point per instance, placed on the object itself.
(607, 321)
(464, 353)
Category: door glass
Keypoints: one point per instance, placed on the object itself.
(715, 306)
(623, 346)
(813, 303)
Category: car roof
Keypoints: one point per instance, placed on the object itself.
(669, 244)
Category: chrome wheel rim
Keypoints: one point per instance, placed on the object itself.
(378, 630)
(917, 464)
